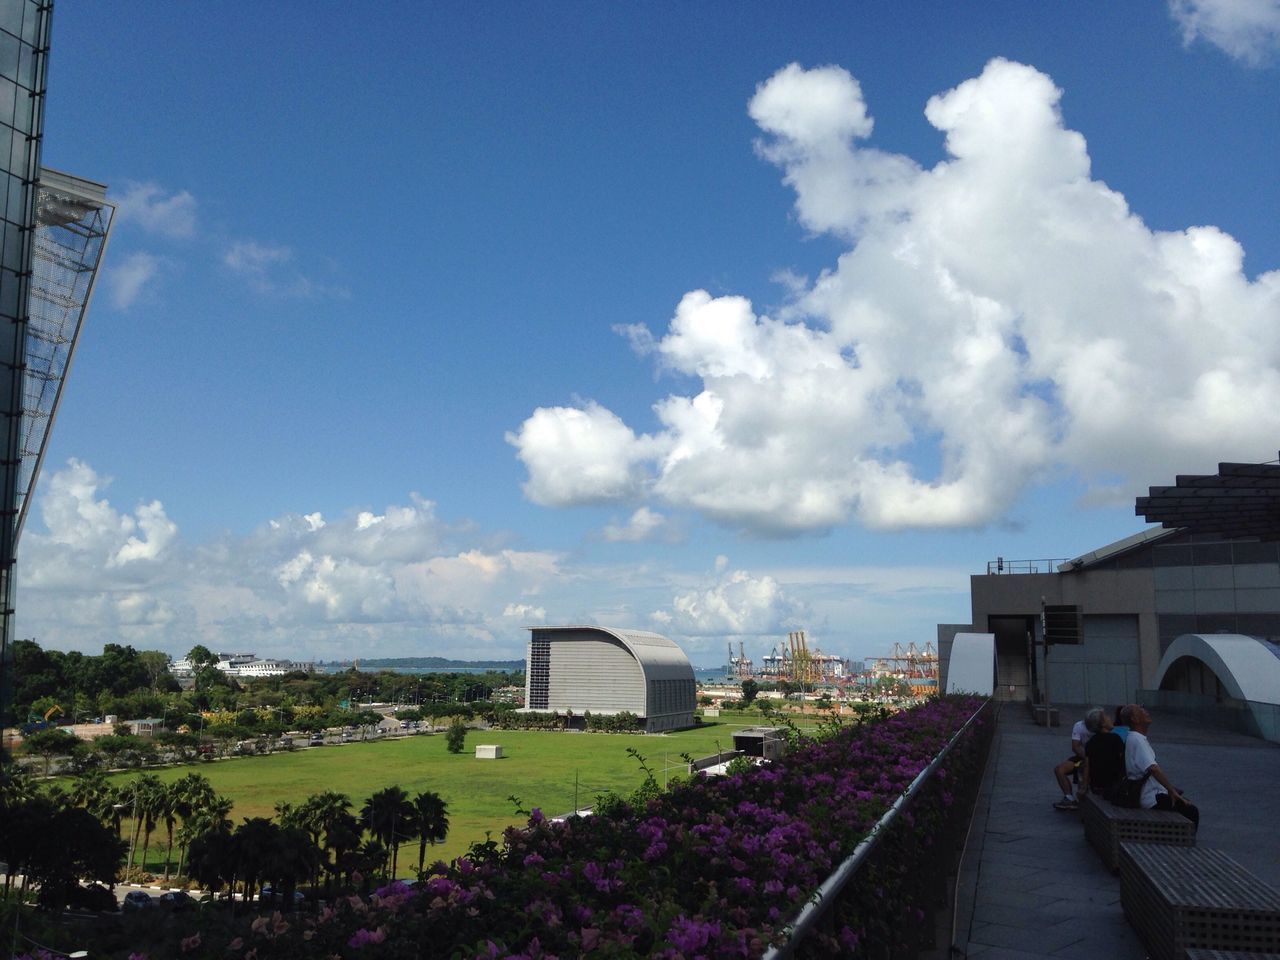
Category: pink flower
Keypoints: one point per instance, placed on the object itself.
(189, 943)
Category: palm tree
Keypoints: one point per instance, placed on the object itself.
(134, 797)
(296, 857)
(212, 858)
(255, 844)
(341, 839)
(318, 815)
(167, 806)
(388, 816)
(431, 822)
(92, 791)
(151, 805)
(201, 810)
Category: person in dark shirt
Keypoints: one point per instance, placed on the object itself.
(1103, 754)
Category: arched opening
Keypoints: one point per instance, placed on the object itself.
(1192, 675)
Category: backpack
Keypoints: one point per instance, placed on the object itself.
(1126, 792)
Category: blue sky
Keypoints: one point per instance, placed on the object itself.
(421, 324)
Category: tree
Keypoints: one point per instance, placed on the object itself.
(156, 665)
(49, 744)
(431, 822)
(211, 859)
(389, 817)
(456, 736)
(91, 791)
(749, 690)
(210, 815)
(255, 846)
(295, 857)
(201, 656)
(327, 819)
(74, 846)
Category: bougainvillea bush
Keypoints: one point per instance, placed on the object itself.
(714, 868)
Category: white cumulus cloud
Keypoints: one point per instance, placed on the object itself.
(271, 270)
(1248, 30)
(580, 455)
(644, 524)
(733, 603)
(171, 215)
(300, 584)
(127, 279)
(997, 319)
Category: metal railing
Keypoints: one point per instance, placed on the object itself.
(1001, 565)
(827, 893)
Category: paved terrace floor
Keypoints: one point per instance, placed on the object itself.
(1031, 887)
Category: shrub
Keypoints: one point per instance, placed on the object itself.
(456, 736)
(712, 868)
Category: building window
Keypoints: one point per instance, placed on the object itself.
(539, 674)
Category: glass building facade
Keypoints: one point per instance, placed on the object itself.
(24, 47)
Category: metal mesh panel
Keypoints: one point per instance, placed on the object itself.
(72, 224)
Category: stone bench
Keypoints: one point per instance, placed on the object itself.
(1106, 826)
(1181, 899)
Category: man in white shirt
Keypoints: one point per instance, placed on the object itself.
(1080, 735)
(1140, 761)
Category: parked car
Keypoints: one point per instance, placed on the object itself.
(136, 900)
(93, 896)
(269, 893)
(317, 740)
(177, 900)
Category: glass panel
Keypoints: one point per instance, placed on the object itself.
(26, 64)
(16, 208)
(12, 246)
(31, 22)
(11, 15)
(9, 56)
(19, 155)
(8, 97)
(23, 103)
(1206, 554)
(1176, 556)
(1253, 552)
(9, 289)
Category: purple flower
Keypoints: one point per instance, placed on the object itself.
(690, 935)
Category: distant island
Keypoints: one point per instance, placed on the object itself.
(435, 663)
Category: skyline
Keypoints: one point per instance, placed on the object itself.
(416, 331)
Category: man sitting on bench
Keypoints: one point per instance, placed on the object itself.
(1140, 762)
(1103, 754)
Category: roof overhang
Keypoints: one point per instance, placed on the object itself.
(1240, 500)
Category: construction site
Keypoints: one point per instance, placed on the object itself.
(796, 662)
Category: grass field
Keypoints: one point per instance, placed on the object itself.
(539, 768)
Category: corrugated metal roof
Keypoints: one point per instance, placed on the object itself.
(659, 657)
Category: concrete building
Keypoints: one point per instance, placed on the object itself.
(1134, 598)
(583, 669)
(242, 665)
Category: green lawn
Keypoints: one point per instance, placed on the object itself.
(539, 768)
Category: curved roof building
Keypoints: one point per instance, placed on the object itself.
(1224, 665)
(584, 669)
